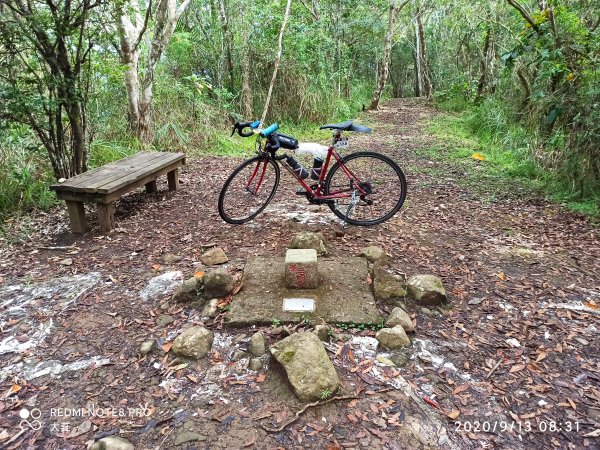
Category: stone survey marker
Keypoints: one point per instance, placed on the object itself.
(301, 270)
(296, 287)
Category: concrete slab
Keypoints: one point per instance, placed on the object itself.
(343, 294)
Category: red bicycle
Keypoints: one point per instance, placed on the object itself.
(363, 188)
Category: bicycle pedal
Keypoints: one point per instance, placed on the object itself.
(302, 192)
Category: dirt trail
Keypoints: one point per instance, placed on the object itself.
(517, 351)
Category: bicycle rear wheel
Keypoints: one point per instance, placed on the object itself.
(248, 190)
(379, 176)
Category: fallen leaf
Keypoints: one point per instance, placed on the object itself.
(166, 347)
(502, 276)
(352, 419)
(250, 441)
(82, 428)
(199, 274)
(461, 388)
(454, 414)
(516, 368)
(478, 156)
(541, 356)
(260, 378)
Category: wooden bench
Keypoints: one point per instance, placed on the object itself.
(108, 183)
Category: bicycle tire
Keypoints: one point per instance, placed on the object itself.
(397, 203)
(227, 188)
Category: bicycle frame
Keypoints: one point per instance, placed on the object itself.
(313, 194)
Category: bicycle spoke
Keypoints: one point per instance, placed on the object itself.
(378, 183)
(248, 190)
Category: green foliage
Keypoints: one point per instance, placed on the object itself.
(24, 173)
(506, 146)
(325, 394)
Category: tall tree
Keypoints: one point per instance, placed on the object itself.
(277, 60)
(422, 54)
(228, 40)
(44, 49)
(384, 67)
(139, 80)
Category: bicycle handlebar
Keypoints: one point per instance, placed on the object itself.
(267, 132)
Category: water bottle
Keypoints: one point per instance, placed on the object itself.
(297, 167)
(315, 173)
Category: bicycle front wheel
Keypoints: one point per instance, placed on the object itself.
(371, 189)
(248, 190)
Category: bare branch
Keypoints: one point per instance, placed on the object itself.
(144, 27)
(525, 15)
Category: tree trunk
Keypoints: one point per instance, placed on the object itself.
(417, 59)
(483, 66)
(426, 78)
(140, 93)
(246, 90)
(277, 60)
(387, 50)
(228, 43)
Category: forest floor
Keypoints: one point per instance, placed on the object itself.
(512, 363)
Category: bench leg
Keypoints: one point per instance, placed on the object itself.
(106, 216)
(77, 216)
(173, 179)
(151, 187)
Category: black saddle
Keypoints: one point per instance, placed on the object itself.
(347, 126)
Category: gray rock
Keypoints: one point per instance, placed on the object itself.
(344, 337)
(112, 443)
(400, 358)
(193, 342)
(214, 256)
(426, 290)
(308, 239)
(160, 285)
(255, 364)
(146, 347)
(374, 254)
(171, 258)
(428, 312)
(218, 284)
(257, 344)
(164, 319)
(593, 414)
(323, 332)
(187, 291)
(392, 338)
(308, 368)
(387, 287)
(210, 308)
(238, 355)
(188, 436)
(399, 317)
